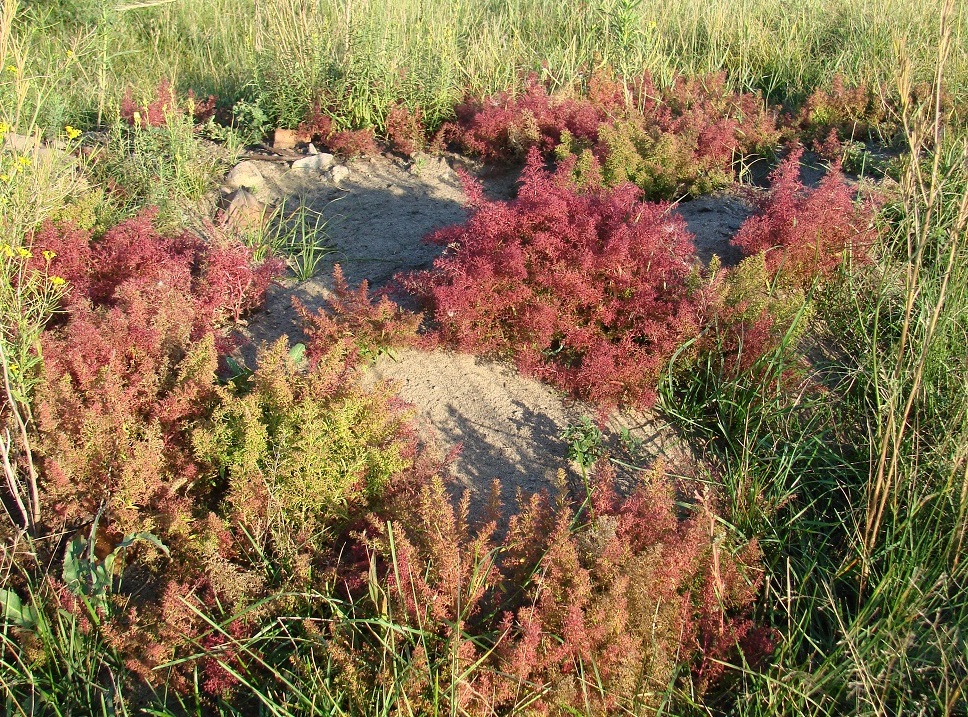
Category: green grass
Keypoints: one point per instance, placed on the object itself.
(858, 492)
(81, 55)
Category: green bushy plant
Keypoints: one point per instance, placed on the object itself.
(299, 452)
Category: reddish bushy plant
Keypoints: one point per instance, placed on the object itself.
(134, 259)
(797, 236)
(718, 116)
(354, 320)
(684, 138)
(124, 368)
(164, 105)
(128, 371)
(587, 290)
(806, 233)
(352, 143)
(134, 431)
(596, 618)
(506, 126)
(317, 124)
(405, 130)
(346, 143)
(847, 113)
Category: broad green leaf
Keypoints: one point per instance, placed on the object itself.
(15, 611)
(76, 566)
(132, 538)
(297, 352)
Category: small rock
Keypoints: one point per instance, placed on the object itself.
(288, 138)
(241, 210)
(314, 162)
(312, 149)
(337, 174)
(246, 174)
(32, 145)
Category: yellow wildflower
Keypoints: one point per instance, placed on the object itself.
(23, 160)
(11, 68)
(14, 367)
(72, 132)
(4, 177)
(48, 255)
(4, 128)
(57, 281)
(24, 254)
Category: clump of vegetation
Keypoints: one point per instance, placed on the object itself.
(603, 612)
(301, 452)
(405, 130)
(133, 435)
(585, 289)
(123, 368)
(805, 234)
(683, 139)
(354, 320)
(319, 126)
(506, 126)
(164, 106)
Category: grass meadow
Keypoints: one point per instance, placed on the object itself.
(839, 446)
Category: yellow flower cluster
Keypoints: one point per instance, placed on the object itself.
(8, 251)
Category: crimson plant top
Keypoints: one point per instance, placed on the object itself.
(586, 289)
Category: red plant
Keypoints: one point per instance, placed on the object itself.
(134, 259)
(593, 617)
(405, 131)
(507, 125)
(684, 138)
(587, 290)
(706, 104)
(806, 233)
(164, 105)
(351, 143)
(318, 124)
(346, 143)
(124, 368)
(353, 319)
(846, 112)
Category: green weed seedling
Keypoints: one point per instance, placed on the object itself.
(301, 238)
(584, 443)
(86, 575)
